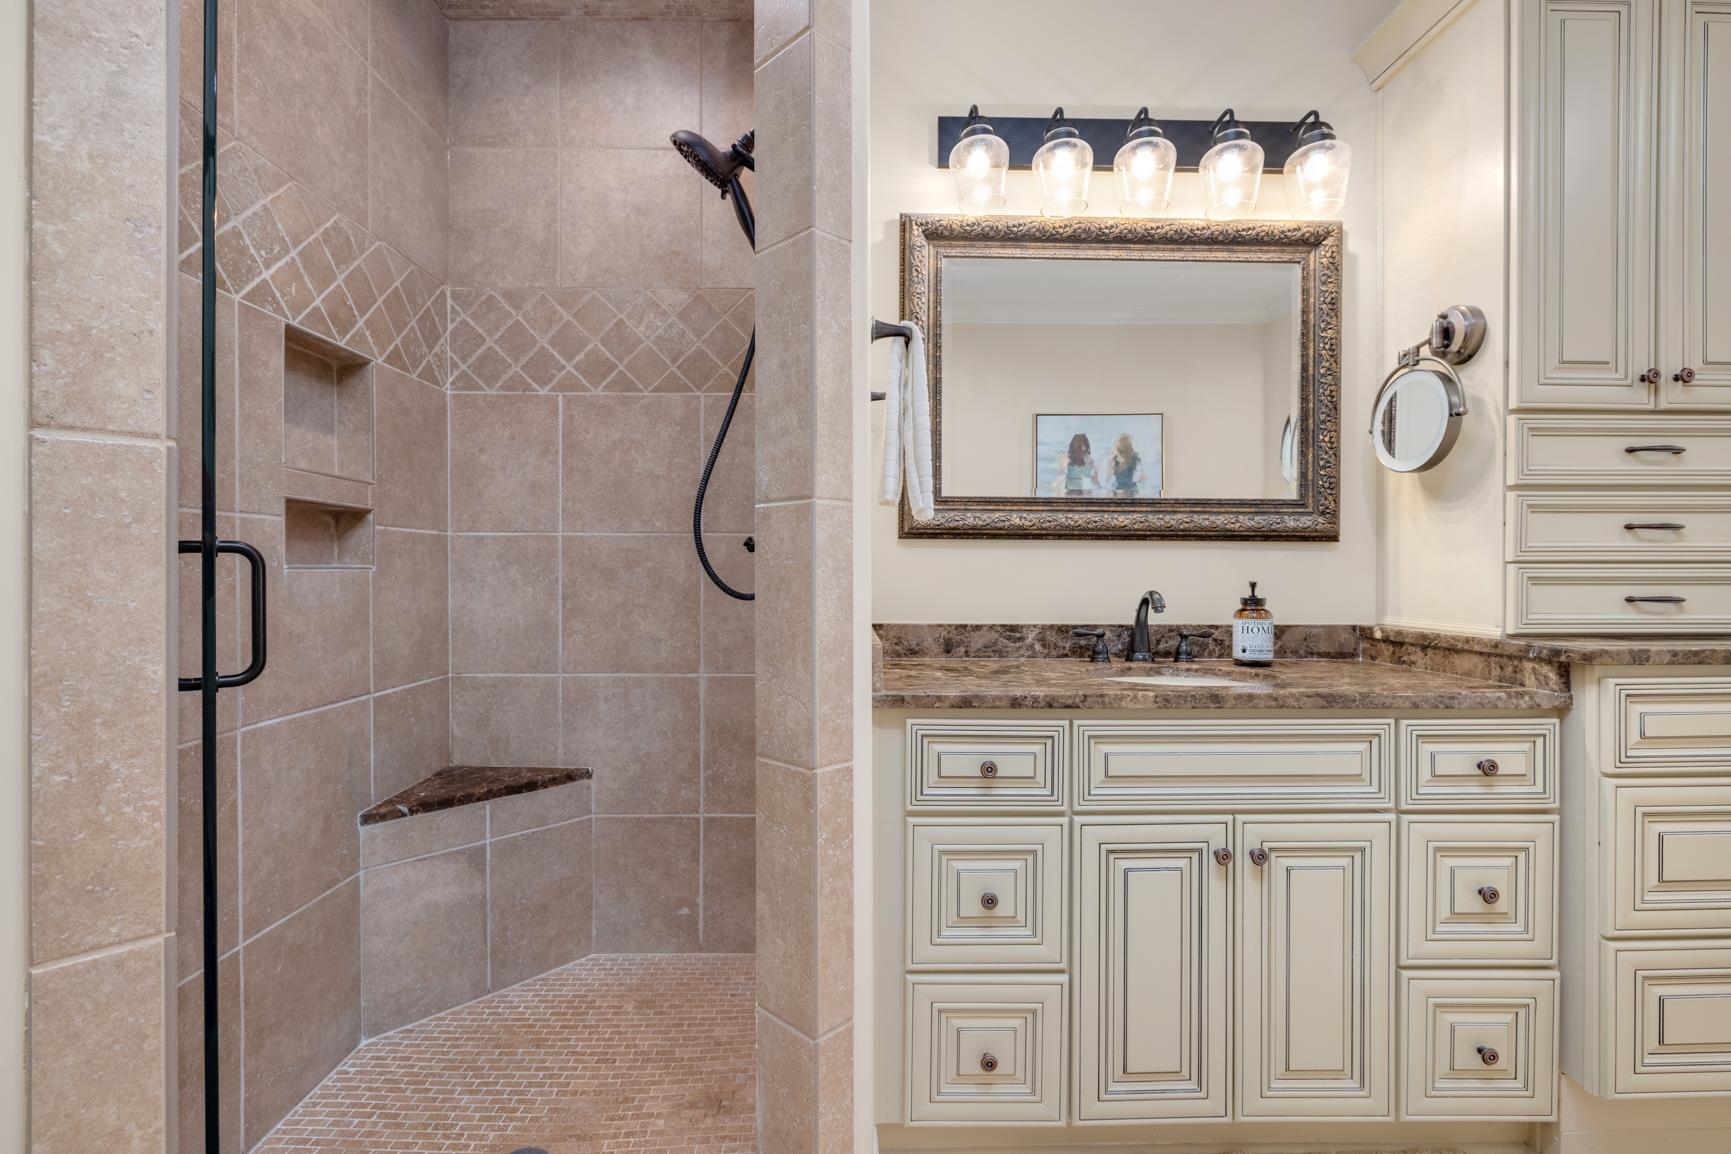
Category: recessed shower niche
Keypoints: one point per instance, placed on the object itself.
(327, 425)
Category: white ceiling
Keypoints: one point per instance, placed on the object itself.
(984, 290)
(603, 9)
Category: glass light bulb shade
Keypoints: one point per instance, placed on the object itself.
(1232, 178)
(1144, 168)
(1062, 169)
(1316, 179)
(979, 164)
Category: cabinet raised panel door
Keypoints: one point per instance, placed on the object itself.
(1697, 179)
(1154, 970)
(1315, 931)
(1589, 210)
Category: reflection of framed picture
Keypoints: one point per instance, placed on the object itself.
(1097, 455)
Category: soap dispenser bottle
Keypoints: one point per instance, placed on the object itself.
(1253, 631)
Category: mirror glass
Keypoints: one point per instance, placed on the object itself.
(1413, 425)
(1119, 379)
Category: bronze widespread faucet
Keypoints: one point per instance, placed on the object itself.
(1140, 647)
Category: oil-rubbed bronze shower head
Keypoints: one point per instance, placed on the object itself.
(716, 165)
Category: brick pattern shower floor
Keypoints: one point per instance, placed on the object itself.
(612, 1053)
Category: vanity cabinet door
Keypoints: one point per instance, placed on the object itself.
(1152, 1013)
(1697, 180)
(1315, 933)
(1588, 212)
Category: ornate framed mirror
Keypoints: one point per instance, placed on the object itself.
(1096, 378)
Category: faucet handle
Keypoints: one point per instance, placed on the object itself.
(1185, 637)
(1099, 655)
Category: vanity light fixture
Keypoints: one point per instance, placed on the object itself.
(1062, 168)
(1317, 170)
(1144, 166)
(1231, 170)
(979, 162)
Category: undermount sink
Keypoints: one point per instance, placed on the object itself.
(1182, 679)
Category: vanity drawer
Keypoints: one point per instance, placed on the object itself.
(1670, 599)
(1001, 764)
(1480, 891)
(1671, 863)
(982, 1051)
(1480, 1045)
(986, 893)
(1670, 724)
(1479, 764)
(1676, 527)
(1597, 451)
(1673, 1017)
(1268, 764)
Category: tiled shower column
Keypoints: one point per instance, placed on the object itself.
(805, 576)
(101, 473)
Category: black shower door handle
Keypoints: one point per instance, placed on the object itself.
(255, 563)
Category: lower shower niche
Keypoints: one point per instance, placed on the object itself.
(317, 535)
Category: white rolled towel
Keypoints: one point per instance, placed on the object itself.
(908, 425)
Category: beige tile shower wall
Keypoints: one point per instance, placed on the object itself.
(332, 237)
(805, 520)
(600, 303)
(101, 465)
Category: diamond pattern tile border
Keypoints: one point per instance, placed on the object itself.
(281, 248)
(607, 340)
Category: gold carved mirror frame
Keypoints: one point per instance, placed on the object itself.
(1311, 514)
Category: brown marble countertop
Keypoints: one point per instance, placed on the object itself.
(467, 785)
(1070, 683)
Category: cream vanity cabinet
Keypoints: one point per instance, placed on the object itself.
(1624, 204)
(1111, 920)
(1617, 518)
(1648, 860)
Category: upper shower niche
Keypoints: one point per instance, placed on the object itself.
(606, 9)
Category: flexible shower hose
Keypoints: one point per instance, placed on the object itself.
(709, 467)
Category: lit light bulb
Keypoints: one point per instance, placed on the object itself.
(1062, 167)
(979, 163)
(1144, 167)
(1231, 170)
(1318, 169)
(1231, 167)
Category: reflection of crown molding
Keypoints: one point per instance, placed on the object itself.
(1127, 314)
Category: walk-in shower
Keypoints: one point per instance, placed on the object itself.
(721, 167)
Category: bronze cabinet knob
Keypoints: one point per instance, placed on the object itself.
(1223, 856)
(988, 1063)
(1488, 1056)
(1489, 767)
(988, 901)
(988, 769)
(1650, 377)
(1258, 856)
(1684, 376)
(1491, 895)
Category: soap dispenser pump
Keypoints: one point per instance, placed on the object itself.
(1253, 631)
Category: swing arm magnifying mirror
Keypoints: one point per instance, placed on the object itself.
(1416, 417)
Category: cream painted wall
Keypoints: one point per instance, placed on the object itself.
(1268, 59)
(1209, 383)
(1444, 243)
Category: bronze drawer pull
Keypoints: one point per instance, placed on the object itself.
(1674, 450)
(988, 1063)
(1258, 856)
(988, 769)
(1223, 856)
(1487, 1055)
(1490, 894)
(1670, 526)
(1489, 767)
(1656, 599)
(1684, 376)
(988, 901)
(1651, 377)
